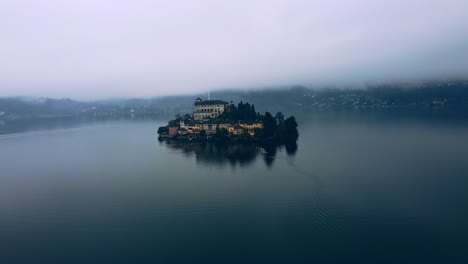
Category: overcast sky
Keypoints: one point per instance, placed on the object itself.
(116, 48)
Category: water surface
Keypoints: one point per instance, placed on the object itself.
(368, 189)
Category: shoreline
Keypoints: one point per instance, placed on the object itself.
(228, 140)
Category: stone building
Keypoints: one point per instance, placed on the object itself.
(207, 109)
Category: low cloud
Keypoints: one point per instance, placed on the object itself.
(109, 48)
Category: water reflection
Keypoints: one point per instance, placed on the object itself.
(234, 154)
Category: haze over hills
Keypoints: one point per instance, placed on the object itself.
(450, 96)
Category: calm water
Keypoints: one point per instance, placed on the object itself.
(364, 189)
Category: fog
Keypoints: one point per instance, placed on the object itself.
(116, 48)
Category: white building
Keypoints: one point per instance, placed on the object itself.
(208, 109)
(182, 124)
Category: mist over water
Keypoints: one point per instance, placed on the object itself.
(357, 188)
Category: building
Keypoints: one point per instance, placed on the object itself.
(226, 125)
(207, 109)
(241, 127)
(194, 127)
(251, 127)
(238, 130)
(182, 124)
(206, 118)
(210, 128)
(182, 131)
(173, 130)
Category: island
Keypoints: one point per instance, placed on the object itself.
(217, 120)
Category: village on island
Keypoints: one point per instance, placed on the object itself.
(218, 120)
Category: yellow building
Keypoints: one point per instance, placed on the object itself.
(237, 130)
(194, 128)
(252, 125)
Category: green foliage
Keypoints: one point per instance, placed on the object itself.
(222, 132)
(243, 111)
(162, 130)
(290, 132)
(174, 122)
(202, 133)
(221, 135)
(186, 117)
(283, 132)
(269, 126)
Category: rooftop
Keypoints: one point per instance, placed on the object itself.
(210, 102)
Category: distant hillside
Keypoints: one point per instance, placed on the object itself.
(451, 97)
(39, 107)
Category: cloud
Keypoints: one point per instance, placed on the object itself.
(104, 48)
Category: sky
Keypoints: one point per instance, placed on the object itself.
(140, 48)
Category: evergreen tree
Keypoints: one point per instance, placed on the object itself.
(290, 129)
(243, 111)
(163, 130)
(269, 125)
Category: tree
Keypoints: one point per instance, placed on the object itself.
(173, 122)
(269, 125)
(202, 133)
(222, 132)
(243, 111)
(187, 117)
(290, 129)
(162, 130)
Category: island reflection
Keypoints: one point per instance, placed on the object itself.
(239, 153)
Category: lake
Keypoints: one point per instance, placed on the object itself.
(364, 188)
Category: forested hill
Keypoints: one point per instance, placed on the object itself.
(451, 97)
(39, 107)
